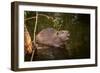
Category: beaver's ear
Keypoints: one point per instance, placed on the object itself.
(57, 32)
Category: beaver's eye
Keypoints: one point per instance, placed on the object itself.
(57, 33)
(62, 32)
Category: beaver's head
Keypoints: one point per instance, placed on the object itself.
(63, 35)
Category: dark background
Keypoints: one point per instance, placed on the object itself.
(78, 25)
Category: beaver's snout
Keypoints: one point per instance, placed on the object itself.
(63, 35)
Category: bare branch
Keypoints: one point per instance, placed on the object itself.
(29, 18)
(49, 17)
(34, 38)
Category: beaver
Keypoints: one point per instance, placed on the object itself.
(50, 44)
(52, 37)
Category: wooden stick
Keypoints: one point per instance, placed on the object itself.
(38, 15)
(34, 38)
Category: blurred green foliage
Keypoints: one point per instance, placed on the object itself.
(78, 25)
